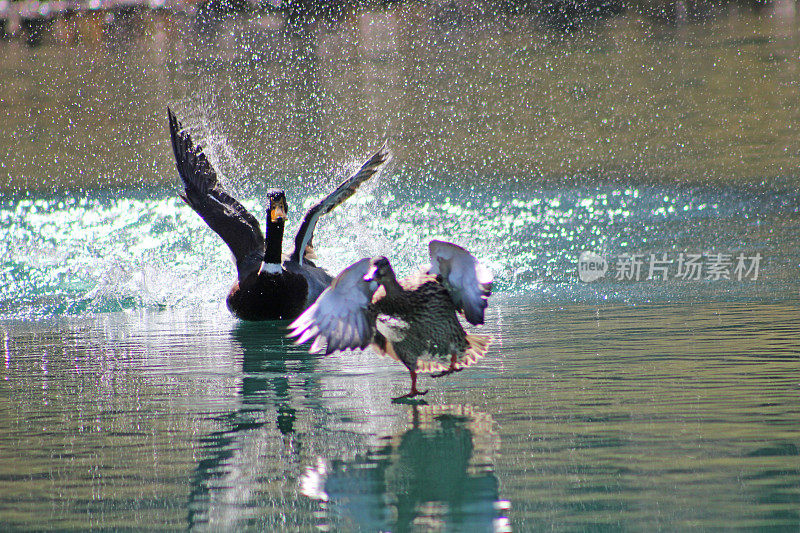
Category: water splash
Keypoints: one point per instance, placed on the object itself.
(88, 254)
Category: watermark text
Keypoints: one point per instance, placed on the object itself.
(685, 266)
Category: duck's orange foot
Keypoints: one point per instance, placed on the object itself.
(446, 372)
(414, 392)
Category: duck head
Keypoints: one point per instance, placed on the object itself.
(380, 271)
(277, 208)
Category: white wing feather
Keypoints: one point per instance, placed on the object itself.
(344, 191)
(339, 319)
(468, 282)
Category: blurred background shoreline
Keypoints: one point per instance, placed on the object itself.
(497, 98)
(72, 21)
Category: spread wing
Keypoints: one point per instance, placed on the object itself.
(341, 318)
(468, 282)
(344, 191)
(223, 213)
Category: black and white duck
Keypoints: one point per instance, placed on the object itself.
(413, 320)
(268, 286)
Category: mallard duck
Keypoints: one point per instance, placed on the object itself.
(267, 286)
(413, 320)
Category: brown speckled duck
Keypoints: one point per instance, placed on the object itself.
(268, 287)
(413, 320)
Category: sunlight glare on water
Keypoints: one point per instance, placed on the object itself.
(89, 254)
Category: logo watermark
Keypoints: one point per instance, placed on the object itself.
(591, 266)
(682, 266)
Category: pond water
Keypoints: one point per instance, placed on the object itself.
(660, 398)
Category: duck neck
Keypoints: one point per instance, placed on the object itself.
(392, 287)
(274, 242)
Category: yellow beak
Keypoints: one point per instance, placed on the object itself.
(277, 211)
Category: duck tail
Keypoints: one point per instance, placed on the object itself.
(477, 346)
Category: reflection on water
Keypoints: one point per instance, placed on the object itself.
(580, 417)
(226, 482)
(438, 474)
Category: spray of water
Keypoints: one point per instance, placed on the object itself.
(93, 254)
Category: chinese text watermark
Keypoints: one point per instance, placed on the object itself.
(675, 265)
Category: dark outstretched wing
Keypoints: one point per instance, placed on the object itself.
(344, 191)
(341, 317)
(468, 282)
(223, 213)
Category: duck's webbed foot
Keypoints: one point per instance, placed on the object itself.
(414, 391)
(449, 371)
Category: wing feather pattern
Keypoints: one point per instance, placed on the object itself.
(342, 317)
(223, 213)
(344, 191)
(468, 282)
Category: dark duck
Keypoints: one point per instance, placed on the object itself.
(413, 320)
(268, 287)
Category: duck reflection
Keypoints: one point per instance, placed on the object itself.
(228, 483)
(438, 475)
(269, 359)
(433, 468)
